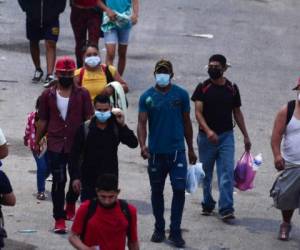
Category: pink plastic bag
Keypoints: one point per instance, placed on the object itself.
(243, 173)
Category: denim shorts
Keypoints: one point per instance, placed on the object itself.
(114, 36)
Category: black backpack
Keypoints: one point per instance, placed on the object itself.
(92, 209)
(290, 111)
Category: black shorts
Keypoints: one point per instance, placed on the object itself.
(47, 31)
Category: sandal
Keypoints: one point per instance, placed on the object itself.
(284, 231)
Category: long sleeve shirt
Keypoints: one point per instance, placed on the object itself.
(96, 152)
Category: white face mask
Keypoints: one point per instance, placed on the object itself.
(92, 61)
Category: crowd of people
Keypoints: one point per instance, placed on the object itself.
(79, 123)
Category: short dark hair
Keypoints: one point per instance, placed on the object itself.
(164, 64)
(89, 45)
(101, 99)
(107, 182)
(218, 58)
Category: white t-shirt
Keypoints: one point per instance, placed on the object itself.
(62, 105)
(291, 139)
(2, 138)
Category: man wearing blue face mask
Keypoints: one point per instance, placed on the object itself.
(167, 108)
(95, 151)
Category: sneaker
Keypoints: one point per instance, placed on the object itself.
(158, 237)
(177, 240)
(38, 74)
(284, 231)
(48, 81)
(227, 217)
(41, 196)
(206, 212)
(70, 211)
(60, 227)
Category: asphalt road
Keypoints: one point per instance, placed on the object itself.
(260, 40)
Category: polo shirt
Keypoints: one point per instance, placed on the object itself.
(165, 116)
(107, 228)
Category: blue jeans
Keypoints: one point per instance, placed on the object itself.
(160, 165)
(223, 154)
(43, 171)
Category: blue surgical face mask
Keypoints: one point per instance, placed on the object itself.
(102, 116)
(162, 80)
(92, 61)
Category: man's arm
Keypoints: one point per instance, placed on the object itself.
(135, 11)
(211, 135)
(76, 156)
(239, 118)
(142, 134)
(133, 246)
(188, 134)
(8, 199)
(3, 151)
(277, 133)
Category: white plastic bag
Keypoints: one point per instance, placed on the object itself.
(195, 175)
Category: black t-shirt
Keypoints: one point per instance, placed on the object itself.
(218, 104)
(5, 187)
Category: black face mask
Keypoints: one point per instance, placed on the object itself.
(65, 82)
(214, 73)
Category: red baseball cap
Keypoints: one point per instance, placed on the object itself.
(65, 64)
(298, 85)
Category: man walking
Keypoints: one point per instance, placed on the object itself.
(285, 143)
(167, 108)
(216, 99)
(96, 147)
(42, 23)
(63, 108)
(105, 222)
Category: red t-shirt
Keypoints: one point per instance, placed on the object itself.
(86, 3)
(107, 228)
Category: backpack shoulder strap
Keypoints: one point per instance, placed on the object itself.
(81, 74)
(205, 86)
(116, 130)
(126, 212)
(231, 86)
(90, 212)
(290, 111)
(108, 75)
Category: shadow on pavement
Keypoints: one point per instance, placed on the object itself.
(17, 245)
